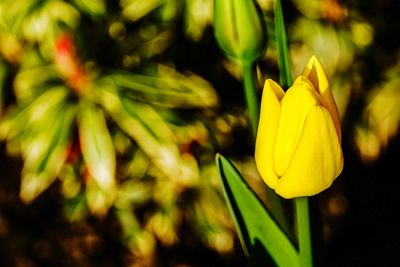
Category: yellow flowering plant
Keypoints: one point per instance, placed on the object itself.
(297, 153)
(298, 149)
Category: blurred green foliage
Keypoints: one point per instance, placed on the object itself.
(110, 134)
(91, 97)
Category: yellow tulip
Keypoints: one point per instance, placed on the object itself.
(298, 151)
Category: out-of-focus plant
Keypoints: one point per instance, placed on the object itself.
(110, 136)
(381, 117)
(197, 14)
(37, 21)
(3, 75)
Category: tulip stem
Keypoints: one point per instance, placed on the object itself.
(304, 231)
(250, 90)
(285, 77)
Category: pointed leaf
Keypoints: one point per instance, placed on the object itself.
(99, 156)
(45, 154)
(164, 86)
(97, 147)
(32, 116)
(151, 119)
(258, 232)
(163, 154)
(99, 199)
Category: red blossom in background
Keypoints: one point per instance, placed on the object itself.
(68, 63)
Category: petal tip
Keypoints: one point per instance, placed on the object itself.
(302, 80)
(272, 86)
(313, 58)
(313, 62)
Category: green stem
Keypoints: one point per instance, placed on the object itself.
(250, 94)
(304, 231)
(285, 77)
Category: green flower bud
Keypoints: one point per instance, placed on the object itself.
(239, 29)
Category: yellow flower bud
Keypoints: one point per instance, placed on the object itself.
(298, 150)
(239, 29)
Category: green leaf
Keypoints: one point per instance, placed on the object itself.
(46, 153)
(96, 144)
(285, 78)
(32, 81)
(210, 219)
(133, 192)
(21, 19)
(99, 156)
(259, 233)
(92, 7)
(75, 209)
(3, 75)
(31, 117)
(164, 86)
(137, 9)
(98, 199)
(164, 154)
(151, 119)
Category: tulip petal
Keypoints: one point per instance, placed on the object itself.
(267, 129)
(295, 106)
(316, 74)
(318, 159)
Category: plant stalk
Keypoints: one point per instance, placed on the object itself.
(250, 95)
(304, 231)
